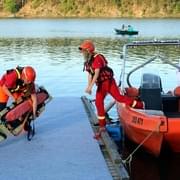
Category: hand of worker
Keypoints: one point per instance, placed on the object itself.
(34, 116)
(88, 90)
(18, 100)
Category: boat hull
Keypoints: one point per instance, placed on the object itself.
(126, 32)
(172, 137)
(142, 128)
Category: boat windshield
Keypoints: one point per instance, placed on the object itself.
(150, 81)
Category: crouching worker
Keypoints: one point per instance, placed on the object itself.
(15, 84)
(100, 74)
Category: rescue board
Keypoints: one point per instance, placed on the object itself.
(20, 113)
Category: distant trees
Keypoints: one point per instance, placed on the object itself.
(11, 6)
(149, 7)
(123, 8)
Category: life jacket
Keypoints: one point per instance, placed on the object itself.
(20, 86)
(106, 73)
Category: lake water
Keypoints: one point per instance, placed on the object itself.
(51, 46)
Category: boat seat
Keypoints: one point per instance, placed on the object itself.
(150, 91)
(170, 103)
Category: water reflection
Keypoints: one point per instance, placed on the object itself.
(144, 166)
(59, 63)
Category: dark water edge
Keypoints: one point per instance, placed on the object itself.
(145, 166)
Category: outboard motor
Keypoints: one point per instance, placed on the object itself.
(150, 91)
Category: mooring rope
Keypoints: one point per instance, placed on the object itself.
(128, 160)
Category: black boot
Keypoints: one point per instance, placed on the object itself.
(13, 124)
(27, 126)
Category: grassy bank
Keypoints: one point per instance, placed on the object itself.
(92, 8)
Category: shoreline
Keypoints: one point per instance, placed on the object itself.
(101, 9)
(85, 17)
(6, 15)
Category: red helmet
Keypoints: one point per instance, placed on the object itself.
(87, 45)
(29, 73)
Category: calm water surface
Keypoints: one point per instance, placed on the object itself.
(51, 46)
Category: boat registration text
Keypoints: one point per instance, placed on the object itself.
(137, 120)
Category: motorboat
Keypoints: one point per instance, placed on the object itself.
(158, 124)
(126, 32)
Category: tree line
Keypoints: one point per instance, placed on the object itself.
(12, 6)
(124, 7)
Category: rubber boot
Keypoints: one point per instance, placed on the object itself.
(102, 128)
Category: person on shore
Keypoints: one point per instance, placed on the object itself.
(17, 83)
(101, 74)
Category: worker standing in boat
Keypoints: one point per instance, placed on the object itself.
(123, 27)
(16, 83)
(130, 28)
(100, 74)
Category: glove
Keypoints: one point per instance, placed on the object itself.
(138, 104)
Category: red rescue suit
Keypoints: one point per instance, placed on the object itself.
(12, 80)
(105, 85)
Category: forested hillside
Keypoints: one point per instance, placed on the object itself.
(90, 8)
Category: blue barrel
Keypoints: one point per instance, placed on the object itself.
(114, 131)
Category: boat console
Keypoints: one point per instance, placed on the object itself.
(154, 98)
(150, 91)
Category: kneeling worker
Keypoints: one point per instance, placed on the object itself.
(17, 83)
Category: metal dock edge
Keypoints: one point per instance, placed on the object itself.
(108, 147)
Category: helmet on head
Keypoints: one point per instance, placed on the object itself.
(87, 45)
(29, 73)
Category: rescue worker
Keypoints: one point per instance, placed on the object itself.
(17, 83)
(100, 74)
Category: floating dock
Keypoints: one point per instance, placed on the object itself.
(63, 148)
(108, 146)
